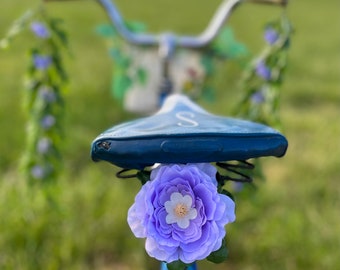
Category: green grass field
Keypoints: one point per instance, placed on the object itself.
(291, 222)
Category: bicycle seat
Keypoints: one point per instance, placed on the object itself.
(182, 132)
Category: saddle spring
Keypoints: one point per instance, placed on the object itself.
(235, 171)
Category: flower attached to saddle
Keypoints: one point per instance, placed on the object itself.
(181, 214)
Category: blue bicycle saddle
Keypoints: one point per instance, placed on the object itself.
(182, 132)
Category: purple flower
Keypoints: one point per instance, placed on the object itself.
(257, 97)
(271, 36)
(180, 213)
(42, 62)
(43, 145)
(47, 121)
(40, 30)
(47, 94)
(38, 172)
(263, 71)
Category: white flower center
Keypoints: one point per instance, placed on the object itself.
(179, 210)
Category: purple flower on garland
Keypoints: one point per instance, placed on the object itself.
(180, 213)
(42, 62)
(47, 94)
(271, 35)
(257, 97)
(44, 145)
(40, 30)
(38, 172)
(263, 71)
(48, 121)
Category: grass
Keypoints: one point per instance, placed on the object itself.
(291, 222)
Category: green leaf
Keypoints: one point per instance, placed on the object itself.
(120, 59)
(219, 255)
(207, 63)
(177, 265)
(237, 50)
(115, 54)
(142, 75)
(120, 84)
(16, 28)
(106, 30)
(55, 26)
(136, 27)
(143, 176)
(226, 45)
(208, 93)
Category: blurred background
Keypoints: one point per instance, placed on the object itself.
(292, 221)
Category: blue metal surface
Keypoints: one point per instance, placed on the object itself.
(191, 267)
(182, 132)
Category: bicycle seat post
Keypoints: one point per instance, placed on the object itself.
(167, 46)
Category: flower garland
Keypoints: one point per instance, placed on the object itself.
(262, 79)
(44, 86)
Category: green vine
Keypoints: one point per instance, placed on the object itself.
(44, 86)
(262, 79)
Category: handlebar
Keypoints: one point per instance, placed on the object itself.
(220, 16)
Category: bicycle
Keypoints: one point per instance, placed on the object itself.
(181, 132)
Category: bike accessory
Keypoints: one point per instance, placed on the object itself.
(235, 175)
(182, 132)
